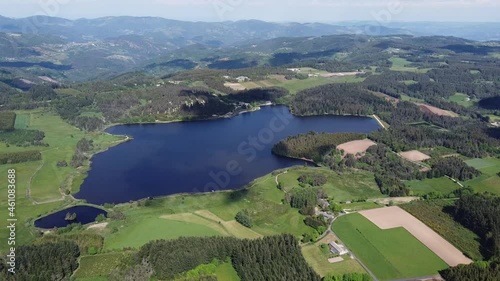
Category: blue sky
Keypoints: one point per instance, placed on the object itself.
(271, 10)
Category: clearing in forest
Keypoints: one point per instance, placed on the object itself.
(436, 111)
(414, 156)
(355, 147)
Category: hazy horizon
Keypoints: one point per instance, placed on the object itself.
(321, 11)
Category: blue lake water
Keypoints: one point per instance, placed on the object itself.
(201, 156)
(84, 215)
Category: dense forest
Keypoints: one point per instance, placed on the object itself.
(50, 261)
(20, 157)
(481, 214)
(313, 145)
(453, 167)
(269, 258)
(7, 120)
(484, 271)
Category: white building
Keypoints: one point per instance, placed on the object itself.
(338, 249)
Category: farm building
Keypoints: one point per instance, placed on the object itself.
(338, 249)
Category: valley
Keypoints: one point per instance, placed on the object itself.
(272, 145)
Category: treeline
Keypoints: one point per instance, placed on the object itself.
(348, 277)
(23, 138)
(389, 169)
(453, 167)
(481, 214)
(51, 261)
(7, 120)
(82, 148)
(269, 258)
(313, 145)
(338, 99)
(20, 157)
(259, 95)
(484, 271)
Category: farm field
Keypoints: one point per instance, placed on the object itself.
(395, 217)
(214, 213)
(461, 99)
(389, 254)
(489, 181)
(295, 85)
(400, 64)
(442, 185)
(147, 229)
(355, 147)
(433, 214)
(414, 156)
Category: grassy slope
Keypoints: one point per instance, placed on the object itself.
(153, 228)
(43, 177)
(263, 200)
(99, 266)
(400, 64)
(347, 187)
(489, 181)
(390, 254)
(226, 272)
(442, 185)
(461, 99)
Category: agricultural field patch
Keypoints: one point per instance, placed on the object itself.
(355, 147)
(401, 64)
(440, 185)
(395, 217)
(389, 254)
(462, 99)
(433, 214)
(414, 156)
(135, 235)
(489, 181)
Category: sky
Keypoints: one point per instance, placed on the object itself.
(384, 11)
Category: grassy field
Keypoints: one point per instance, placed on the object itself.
(426, 186)
(400, 64)
(319, 262)
(348, 187)
(433, 215)
(297, 85)
(99, 266)
(389, 254)
(489, 181)
(226, 272)
(461, 99)
(408, 98)
(152, 228)
(214, 213)
(39, 184)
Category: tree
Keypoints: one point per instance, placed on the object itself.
(243, 217)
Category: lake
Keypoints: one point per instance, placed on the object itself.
(201, 156)
(84, 215)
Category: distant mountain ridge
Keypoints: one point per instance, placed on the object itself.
(212, 33)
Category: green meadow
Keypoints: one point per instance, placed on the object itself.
(40, 185)
(489, 181)
(389, 254)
